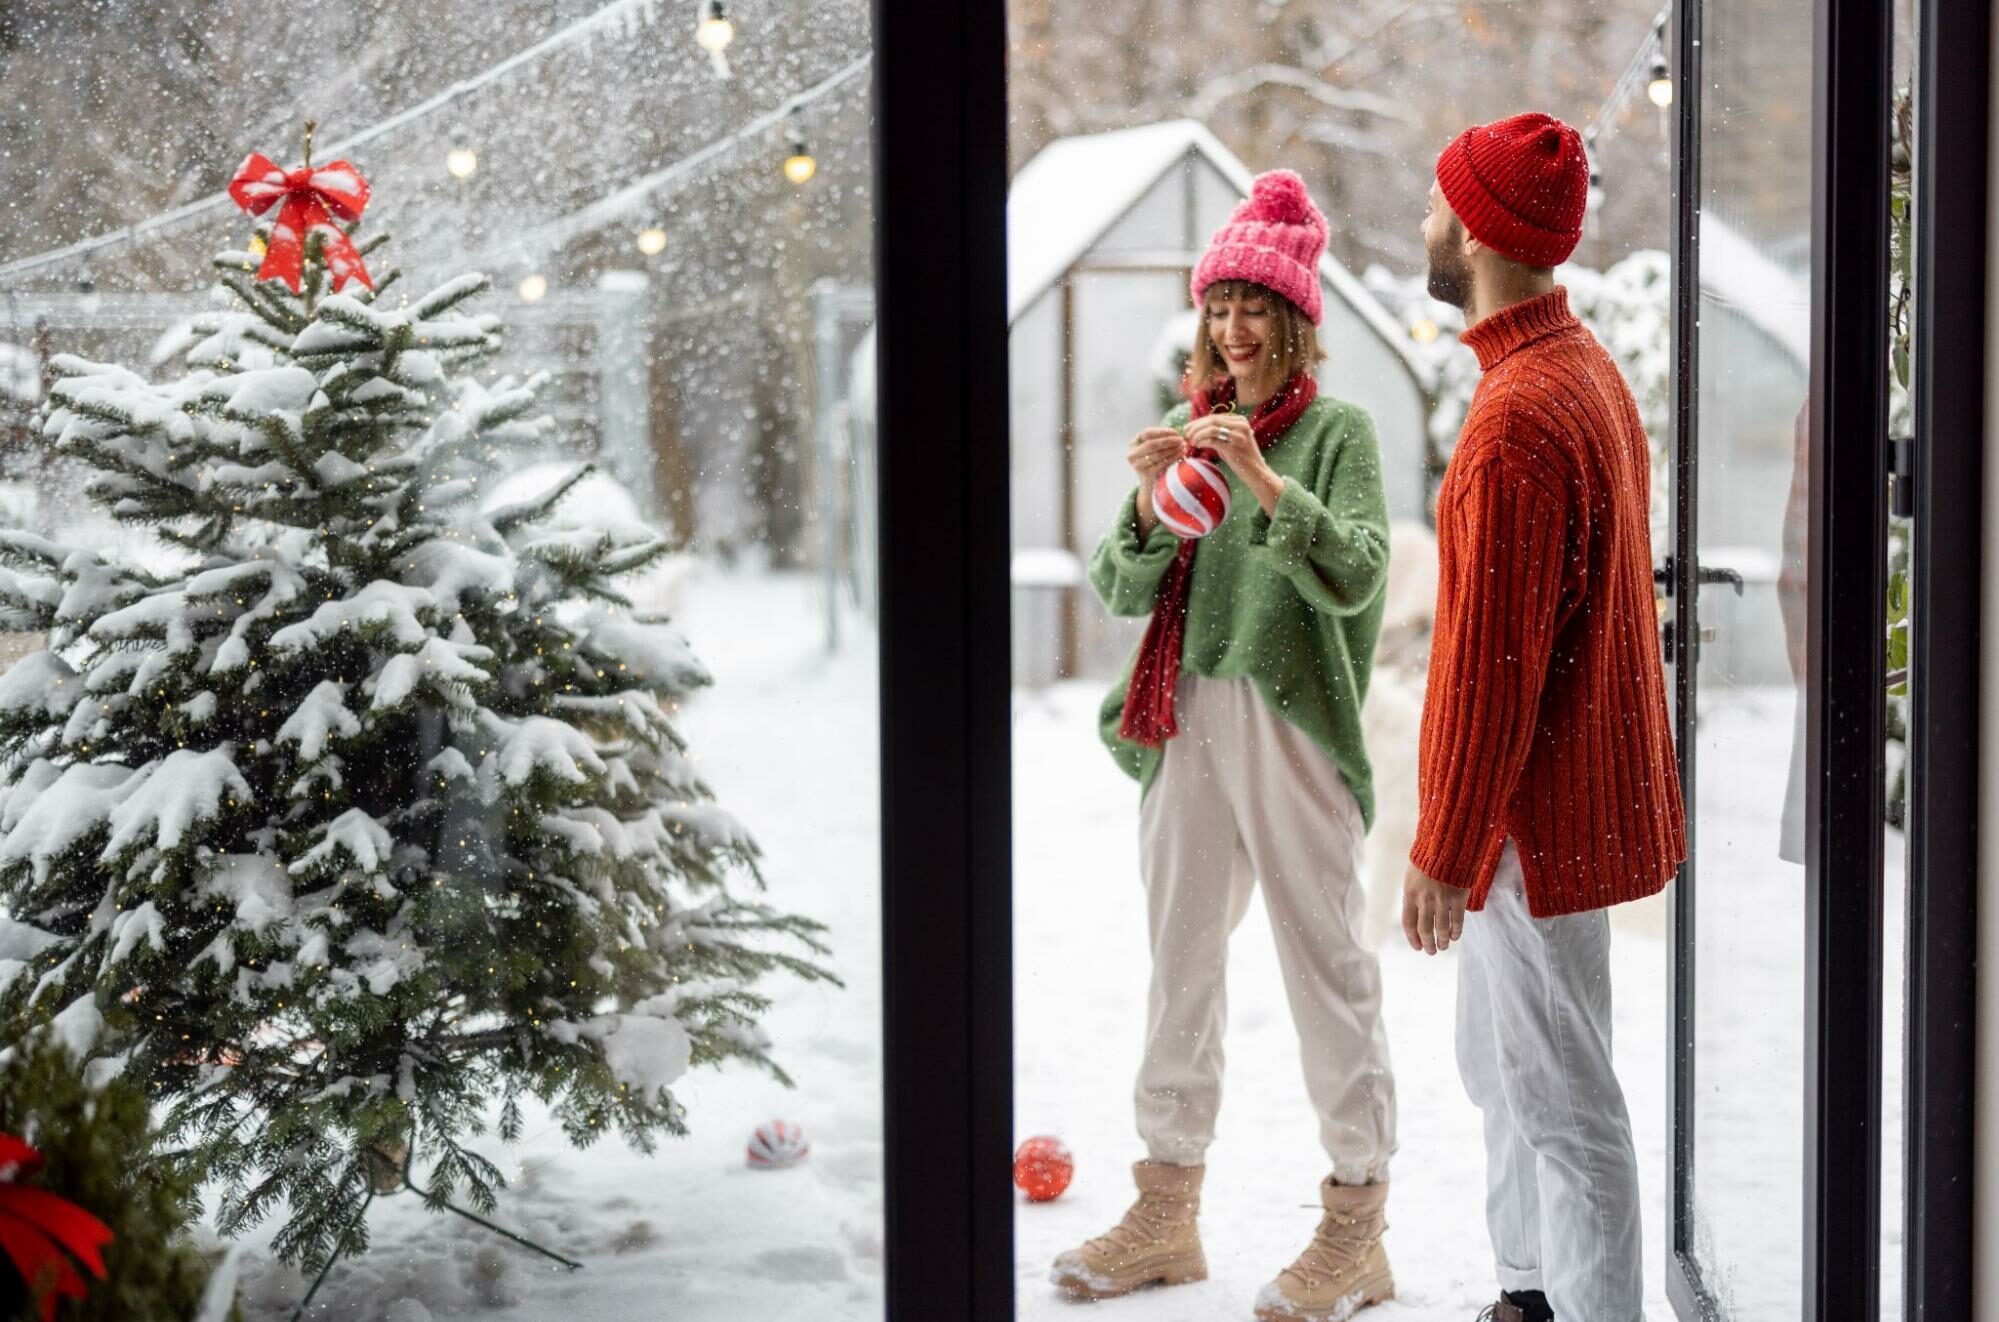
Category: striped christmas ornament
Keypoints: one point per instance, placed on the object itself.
(776, 1145)
(1192, 497)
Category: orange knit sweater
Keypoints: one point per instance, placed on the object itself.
(1545, 719)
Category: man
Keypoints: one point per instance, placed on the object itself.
(1548, 786)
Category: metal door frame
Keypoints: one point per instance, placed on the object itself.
(1845, 682)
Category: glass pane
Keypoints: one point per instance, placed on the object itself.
(1748, 1066)
(1137, 130)
(384, 822)
(1895, 936)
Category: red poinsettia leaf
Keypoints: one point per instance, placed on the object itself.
(19, 1156)
(40, 1262)
(61, 1220)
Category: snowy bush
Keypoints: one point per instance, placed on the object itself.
(369, 816)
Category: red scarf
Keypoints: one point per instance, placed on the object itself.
(1148, 703)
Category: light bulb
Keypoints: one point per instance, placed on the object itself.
(534, 287)
(799, 167)
(714, 33)
(463, 162)
(652, 240)
(1424, 331)
(1660, 89)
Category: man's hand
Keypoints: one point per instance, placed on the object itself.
(1433, 914)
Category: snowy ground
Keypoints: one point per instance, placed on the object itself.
(788, 738)
(1079, 997)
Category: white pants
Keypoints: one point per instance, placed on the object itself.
(1244, 795)
(1534, 1051)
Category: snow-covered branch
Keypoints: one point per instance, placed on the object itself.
(1211, 97)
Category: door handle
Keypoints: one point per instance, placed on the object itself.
(1662, 575)
(1666, 640)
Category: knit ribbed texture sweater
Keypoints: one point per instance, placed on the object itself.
(1545, 715)
(1291, 600)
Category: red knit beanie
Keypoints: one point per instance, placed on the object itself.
(1520, 186)
(1275, 239)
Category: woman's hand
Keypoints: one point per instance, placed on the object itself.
(1151, 453)
(1231, 436)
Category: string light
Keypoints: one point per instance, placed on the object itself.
(799, 167)
(1660, 88)
(652, 241)
(1647, 64)
(534, 287)
(714, 32)
(604, 17)
(1424, 331)
(463, 162)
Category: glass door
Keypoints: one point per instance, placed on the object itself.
(533, 965)
(1780, 539)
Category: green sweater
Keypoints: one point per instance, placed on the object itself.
(1292, 600)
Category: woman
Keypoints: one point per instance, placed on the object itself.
(1240, 718)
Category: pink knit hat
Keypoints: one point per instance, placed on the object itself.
(1275, 239)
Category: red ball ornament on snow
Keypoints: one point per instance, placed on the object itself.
(776, 1145)
(1192, 497)
(1043, 1168)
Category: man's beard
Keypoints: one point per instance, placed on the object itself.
(1450, 274)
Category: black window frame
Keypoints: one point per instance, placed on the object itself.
(1853, 96)
(1952, 181)
(1844, 683)
(947, 916)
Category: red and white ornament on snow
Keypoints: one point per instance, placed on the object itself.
(776, 1145)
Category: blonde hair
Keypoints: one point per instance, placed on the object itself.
(1294, 346)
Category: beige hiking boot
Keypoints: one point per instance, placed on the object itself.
(1157, 1243)
(1343, 1269)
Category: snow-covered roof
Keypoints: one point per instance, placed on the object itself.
(1735, 272)
(1075, 189)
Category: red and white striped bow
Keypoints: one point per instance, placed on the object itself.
(307, 199)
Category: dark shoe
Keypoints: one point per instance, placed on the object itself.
(1519, 1306)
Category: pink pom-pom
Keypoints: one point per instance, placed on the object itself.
(1279, 196)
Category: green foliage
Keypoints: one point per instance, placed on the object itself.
(1901, 422)
(101, 1155)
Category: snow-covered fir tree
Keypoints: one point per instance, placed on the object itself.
(368, 820)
